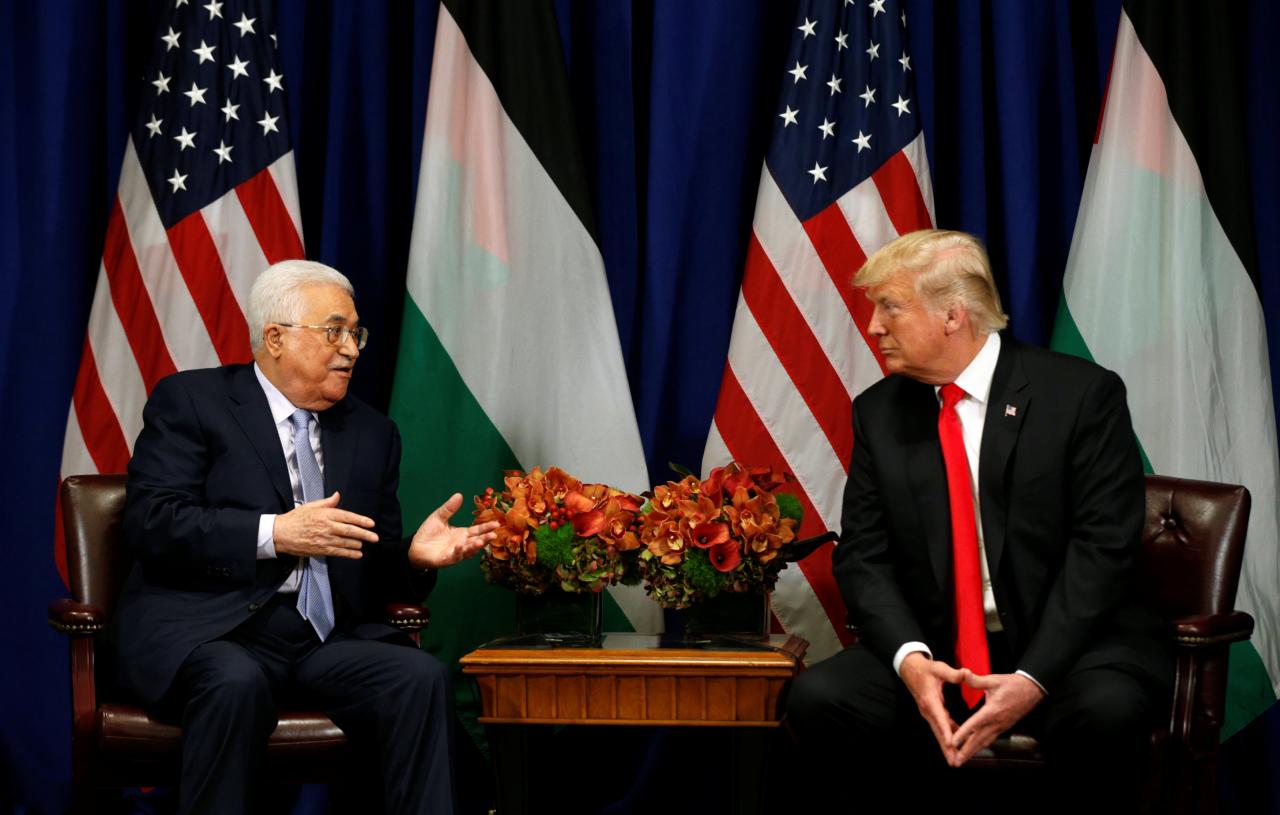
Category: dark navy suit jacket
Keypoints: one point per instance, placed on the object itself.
(1062, 502)
(207, 464)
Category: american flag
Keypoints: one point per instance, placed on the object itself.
(846, 172)
(207, 200)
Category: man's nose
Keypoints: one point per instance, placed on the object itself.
(876, 326)
(349, 347)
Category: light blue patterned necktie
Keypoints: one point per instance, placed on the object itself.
(315, 598)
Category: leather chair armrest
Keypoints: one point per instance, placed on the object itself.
(1212, 629)
(408, 617)
(76, 619)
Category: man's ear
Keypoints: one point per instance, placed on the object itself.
(957, 317)
(273, 340)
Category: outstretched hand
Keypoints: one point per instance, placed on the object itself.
(436, 544)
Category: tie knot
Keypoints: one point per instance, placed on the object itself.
(951, 394)
(300, 420)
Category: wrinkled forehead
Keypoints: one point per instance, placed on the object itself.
(325, 303)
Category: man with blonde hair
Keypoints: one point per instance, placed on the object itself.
(263, 519)
(987, 553)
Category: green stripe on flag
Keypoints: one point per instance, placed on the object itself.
(1068, 339)
(1249, 691)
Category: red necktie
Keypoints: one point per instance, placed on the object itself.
(971, 629)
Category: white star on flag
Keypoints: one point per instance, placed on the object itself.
(161, 82)
(788, 116)
(834, 84)
(274, 81)
(877, 7)
(863, 141)
(798, 72)
(868, 96)
(807, 28)
(819, 173)
(223, 150)
(229, 110)
(874, 50)
(268, 123)
(205, 52)
(179, 181)
(905, 62)
(186, 140)
(827, 128)
(171, 39)
(901, 105)
(196, 95)
(842, 41)
(246, 24)
(238, 67)
(215, 9)
(154, 126)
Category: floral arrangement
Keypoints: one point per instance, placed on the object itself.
(728, 533)
(557, 532)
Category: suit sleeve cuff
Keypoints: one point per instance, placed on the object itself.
(910, 648)
(266, 540)
(1033, 679)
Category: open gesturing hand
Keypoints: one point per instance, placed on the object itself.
(436, 544)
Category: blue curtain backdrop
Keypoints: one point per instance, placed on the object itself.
(674, 102)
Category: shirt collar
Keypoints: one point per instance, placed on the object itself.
(975, 379)
(281, 407)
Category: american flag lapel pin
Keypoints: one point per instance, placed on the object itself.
(1010, 410)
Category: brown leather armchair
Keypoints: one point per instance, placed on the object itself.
(114, 743)
(1192, 546)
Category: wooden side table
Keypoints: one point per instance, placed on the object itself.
(633, 679)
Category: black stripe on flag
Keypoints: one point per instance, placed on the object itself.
(517, 44)
(1199, 50)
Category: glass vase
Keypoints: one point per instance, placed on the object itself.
(560, 617)
(729, 614)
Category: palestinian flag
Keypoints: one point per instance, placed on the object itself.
(509, 354)
(1162, 286)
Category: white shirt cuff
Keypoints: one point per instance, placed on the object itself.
(1033, 679)
(909, 648)
(266, 540)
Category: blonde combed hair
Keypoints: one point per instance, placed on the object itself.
(949, 269)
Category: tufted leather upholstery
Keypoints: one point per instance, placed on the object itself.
(114, 742)
(1192, 545)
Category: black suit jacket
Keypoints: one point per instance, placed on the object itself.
(207, 464)
(1061, 499)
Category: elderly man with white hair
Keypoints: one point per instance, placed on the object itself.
(263, 518)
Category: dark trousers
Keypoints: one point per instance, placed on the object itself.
(864, 747)
(393, 702)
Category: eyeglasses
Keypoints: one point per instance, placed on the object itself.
(337, 334)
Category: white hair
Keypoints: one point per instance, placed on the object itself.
(276, 296)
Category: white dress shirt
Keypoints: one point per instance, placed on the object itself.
(281, 410)
(975, 381)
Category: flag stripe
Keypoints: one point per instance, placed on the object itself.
(752, 441)
(269, 218)
(184, 335)
(796, 348)
(900, 192)
(285, 174)
(840, 253)
(116, 366)
(197, 257)
(918, 158)
(791, 425)
(133, 303)
(797, 265)
(96, 417)
(238, 248)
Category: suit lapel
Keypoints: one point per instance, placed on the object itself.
(927, 474)
(1007, 406)
(253, 414)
